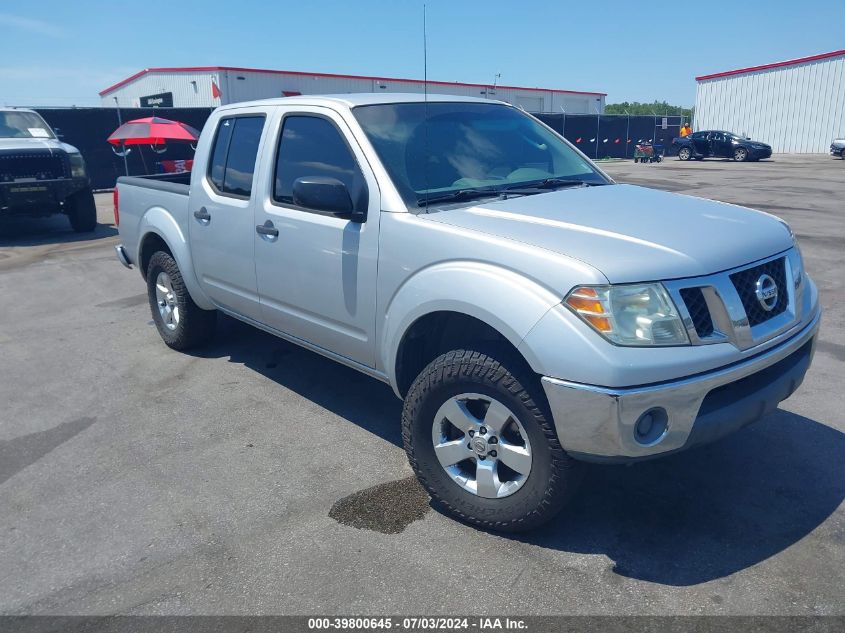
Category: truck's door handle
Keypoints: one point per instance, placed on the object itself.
(267, 229)
(203, 216)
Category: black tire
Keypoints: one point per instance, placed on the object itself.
(842, 154)
(82, 211)
(740, 154)
(685, 153)
(554, 475)
(195, 326)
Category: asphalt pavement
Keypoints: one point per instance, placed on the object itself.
(258, 478)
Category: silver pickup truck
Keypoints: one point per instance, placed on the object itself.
(531, 313)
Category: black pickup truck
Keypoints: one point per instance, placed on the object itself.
(718, 144)
(40, 175)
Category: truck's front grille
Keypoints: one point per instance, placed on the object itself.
(745, 282)
(38, 165)
(698, 311)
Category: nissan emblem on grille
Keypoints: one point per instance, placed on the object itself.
(767, 292)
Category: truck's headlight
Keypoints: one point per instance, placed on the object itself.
(630, 314)
(796, 259)
(77, 166)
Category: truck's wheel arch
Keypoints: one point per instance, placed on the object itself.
(159, 231)
(497, 306)
(150, 244)
(439, 332)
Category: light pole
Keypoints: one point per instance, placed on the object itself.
(627, 132)
(119, 123)
(598, 123)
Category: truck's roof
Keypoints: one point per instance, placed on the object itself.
(359, 99)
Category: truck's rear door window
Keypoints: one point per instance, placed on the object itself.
(232, 164)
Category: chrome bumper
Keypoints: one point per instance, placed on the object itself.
(600, 423)
(122, 255)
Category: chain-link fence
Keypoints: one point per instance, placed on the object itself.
(614, 135)
(598, 136)
(88, 128)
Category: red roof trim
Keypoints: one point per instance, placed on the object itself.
(188, 69)
(790, 62)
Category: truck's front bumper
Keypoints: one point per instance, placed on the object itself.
(122, 255)
(626, 424)
(38, 197)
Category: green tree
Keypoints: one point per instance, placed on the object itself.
(660, 108)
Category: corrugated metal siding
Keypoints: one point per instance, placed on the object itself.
(796, 109)
(238, 86)
(185, 93)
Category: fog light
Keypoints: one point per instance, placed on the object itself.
(651, 426)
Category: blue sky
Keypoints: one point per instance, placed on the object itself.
(64, 53)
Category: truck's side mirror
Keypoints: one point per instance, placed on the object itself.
(323, 193)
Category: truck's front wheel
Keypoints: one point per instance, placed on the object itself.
(181, 323)
(479, 436)
(82, 211)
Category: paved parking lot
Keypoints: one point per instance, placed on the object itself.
(134, 479)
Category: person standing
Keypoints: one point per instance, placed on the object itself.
(686, 130)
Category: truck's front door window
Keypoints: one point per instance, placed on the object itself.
(232, 164)
(312, 146)
(441, 147)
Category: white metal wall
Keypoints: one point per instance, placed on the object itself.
(190, 89)
(193, 89)
(795, 109)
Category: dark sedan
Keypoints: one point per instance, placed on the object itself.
(719, 144)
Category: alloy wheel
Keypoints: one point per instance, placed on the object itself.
(168, 305)
(481, 445)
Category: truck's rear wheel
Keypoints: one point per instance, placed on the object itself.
(479, 436)
(82, 211)
(181, 323)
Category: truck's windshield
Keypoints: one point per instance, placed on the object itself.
(434, 149)
(23, 125)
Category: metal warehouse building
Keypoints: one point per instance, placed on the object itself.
(795, 106)
(218, 85)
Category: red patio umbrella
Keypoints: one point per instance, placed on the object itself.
(152, 131)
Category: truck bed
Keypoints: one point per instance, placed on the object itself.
(143, 196)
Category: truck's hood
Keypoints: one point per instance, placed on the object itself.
(630, 233)
(12, 144)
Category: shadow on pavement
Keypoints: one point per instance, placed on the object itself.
(709, 512)
(20, 452)
(366, 402)
(55, 229)
(682, 520)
